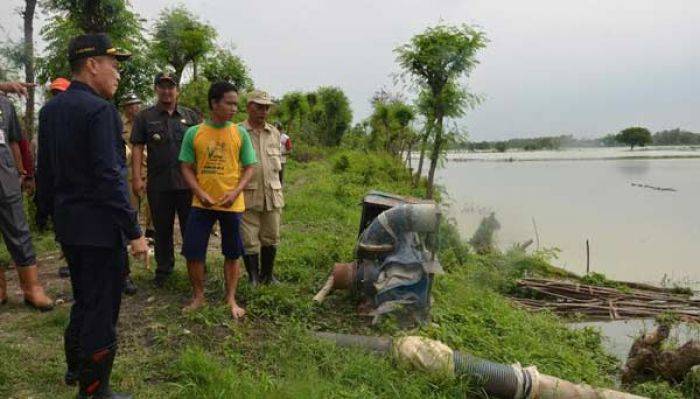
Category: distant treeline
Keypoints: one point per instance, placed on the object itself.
(665, 137)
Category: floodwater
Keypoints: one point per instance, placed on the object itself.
(620, 334)
(640, 212)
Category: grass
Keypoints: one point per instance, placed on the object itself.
(164, 354)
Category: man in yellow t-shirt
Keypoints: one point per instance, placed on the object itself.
(217, 161)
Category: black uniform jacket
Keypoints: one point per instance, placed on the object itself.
(81, 171)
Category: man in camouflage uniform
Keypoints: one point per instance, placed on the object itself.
(263, 195)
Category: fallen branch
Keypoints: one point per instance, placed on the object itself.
(567, 298)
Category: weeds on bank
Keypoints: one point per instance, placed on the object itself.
(270, 354)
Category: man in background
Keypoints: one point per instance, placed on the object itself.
(131, 105)
(13, 222)
(160, 130)
(58, 86)
(285, 148)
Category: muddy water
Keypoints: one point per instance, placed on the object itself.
(641, 216)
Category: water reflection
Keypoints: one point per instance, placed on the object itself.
(632, 168)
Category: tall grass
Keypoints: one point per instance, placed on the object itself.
(272, 354)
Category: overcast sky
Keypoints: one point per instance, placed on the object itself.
(584, 67)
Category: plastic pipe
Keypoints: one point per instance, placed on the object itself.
(498, 380)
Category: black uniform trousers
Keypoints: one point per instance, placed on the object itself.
(164, 205)
(97, 277)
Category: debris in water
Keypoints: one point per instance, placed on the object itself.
(653, 187)
(649, 358)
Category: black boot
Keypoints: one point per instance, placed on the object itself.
(71, 345)
(252, 266)
(129, 286)
(267, 264)
(94, 375)
(63, 272)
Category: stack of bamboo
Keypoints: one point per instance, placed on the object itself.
(595, 302)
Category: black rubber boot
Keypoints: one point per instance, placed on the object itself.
(71, 346)
(267, 264)
(252, 266)
(94, 376)
(63, 272)
(129, 286)
(160, 279)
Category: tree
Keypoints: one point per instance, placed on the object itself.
(454, 99)
(403, 114)
(94, 16)
(676, 136)
(357, 136)
(195, 94)
(293, 111)
(331, 115)
(411, 137)
(380, 122)
(12, 53)
(69, 18)
(322, 116)
(222, 64)
(389, 122)
(435, 59)
(29, 74)
(180, 39)
(634, 136)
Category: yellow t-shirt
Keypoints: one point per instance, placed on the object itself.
(219, 153)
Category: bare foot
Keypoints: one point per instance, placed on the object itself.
(194, 304)
(236, 311)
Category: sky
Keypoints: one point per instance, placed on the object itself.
(584, 67)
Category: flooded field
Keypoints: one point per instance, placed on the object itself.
(638, 209)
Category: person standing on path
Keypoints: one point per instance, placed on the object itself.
(217, 161)
(13, 221)
(41, 216)
(131, 105)
(160, 129)
(263, 195)
(83, 176)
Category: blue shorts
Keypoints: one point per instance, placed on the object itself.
(199, 225)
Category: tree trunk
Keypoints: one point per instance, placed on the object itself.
(194, 70)
(408, 156)
(399, 142)
(423, 145)
(178, 72)
(29, 74)
(388, 144)
(434, 156)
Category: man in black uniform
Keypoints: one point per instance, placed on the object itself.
(83, 182)
(161, 129)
